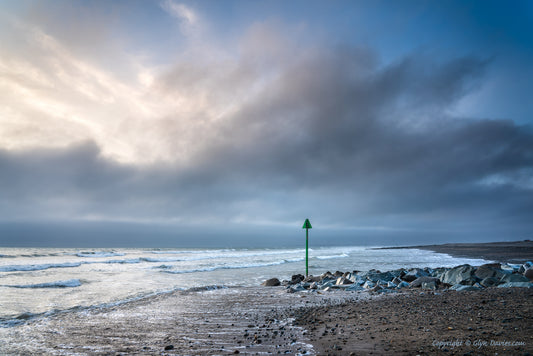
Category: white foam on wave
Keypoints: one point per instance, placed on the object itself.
(331, 257)
(98, 254)
(239, 266)
(179, 252)
(71, 283)
(25, 268)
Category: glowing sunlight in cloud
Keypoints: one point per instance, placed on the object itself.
(59, 99)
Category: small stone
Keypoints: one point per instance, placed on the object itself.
(169, 347)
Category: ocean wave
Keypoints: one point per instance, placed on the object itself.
(331, 257)
(216, 255)
(131, 260)
(24, 268)
(180, 252)
(98, 254)
(159, 260)
(241, 266)
(71, 283)
(52, 254)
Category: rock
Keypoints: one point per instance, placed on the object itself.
(429, 285)
(463, 274)
(369, 285)
(426, 279)
(376, 288)
(380, 276)
(528, 273)
(326, 285)
(297, 278)
(414, 274)
(489, 270)
(396, 280)
(312, 279)
(514, 277)
(516, 285)
(169, 347)
(327, 275)
(343, 280)
(510, 268)
(295, 288)
(489, 282)
(272, 282)
(462, 288)
(352, 277)
(402, 284)
(391, 285)
(354, 287)
(439, 272)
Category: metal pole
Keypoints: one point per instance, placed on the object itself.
(306, 252)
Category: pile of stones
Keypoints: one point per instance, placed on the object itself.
(460, 278)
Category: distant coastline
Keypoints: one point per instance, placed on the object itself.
(505, 251)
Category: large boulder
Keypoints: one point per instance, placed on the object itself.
(426, 279)
(297, 278)
(463, 274)
(463, 288)
(489, 270)
(312, 279)
(489, 282)
(354, 287)
(380, 276)
(528, 273)
(516, 285)
(272, 282)
(369, 285)
(524, 267)
(414, 274)
(295, 288)
(343, 281)
(513, 277)
(402, 284)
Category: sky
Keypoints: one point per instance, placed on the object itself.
(227, 123)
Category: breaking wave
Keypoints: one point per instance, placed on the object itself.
(71, 283)
(14, 268)
(98, 254)
(240, 266)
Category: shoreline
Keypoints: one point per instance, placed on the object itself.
(503, 252)
(269, 320)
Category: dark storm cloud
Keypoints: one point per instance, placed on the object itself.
(336, 136)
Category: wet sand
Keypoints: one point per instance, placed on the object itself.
(268, 320)
(247, 320)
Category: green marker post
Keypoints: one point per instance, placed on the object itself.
(307, 226)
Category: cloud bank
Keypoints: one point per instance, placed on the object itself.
(270, 134)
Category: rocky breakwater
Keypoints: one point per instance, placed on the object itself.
(459, 278)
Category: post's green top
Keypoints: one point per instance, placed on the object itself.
(307, 224)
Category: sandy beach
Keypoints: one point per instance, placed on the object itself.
(268, 320)
(507, 252)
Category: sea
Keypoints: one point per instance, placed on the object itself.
(38, 282)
